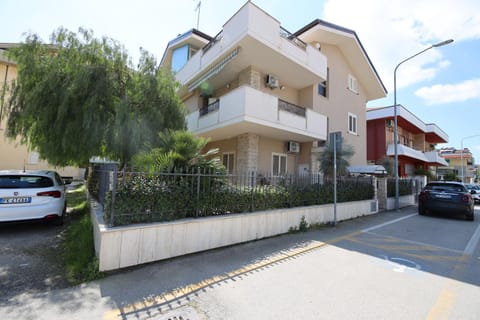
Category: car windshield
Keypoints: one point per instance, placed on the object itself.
(445, 187)
(24, 181)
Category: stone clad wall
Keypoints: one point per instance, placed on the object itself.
(382, 193)
(120, 247)
(247, 152)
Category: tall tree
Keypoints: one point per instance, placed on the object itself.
(80, 97)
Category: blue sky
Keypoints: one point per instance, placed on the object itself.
(440, 86)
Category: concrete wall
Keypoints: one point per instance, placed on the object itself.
(121, 247)
(403, 201)
(388, 203)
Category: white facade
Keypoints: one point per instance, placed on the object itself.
(255, 79)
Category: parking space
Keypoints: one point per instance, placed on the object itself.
(30, 259)
(442, 245)
(446, 232)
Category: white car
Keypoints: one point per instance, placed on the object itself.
(473, 187)
(32, 195)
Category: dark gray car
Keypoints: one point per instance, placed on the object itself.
(446, 196)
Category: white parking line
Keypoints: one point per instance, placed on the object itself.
(473, 242)
(389, 222)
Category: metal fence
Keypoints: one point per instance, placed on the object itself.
(134, 196)
(406, 186)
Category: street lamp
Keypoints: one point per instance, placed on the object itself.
(395, 128)
(461, 151)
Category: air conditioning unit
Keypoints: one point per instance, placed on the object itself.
(389, 123)
(293, 147)
(271, 81)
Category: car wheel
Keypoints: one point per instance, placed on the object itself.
(470, 217)
(58, 221)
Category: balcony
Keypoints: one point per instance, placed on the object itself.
(252, 37)
(435, 159)
(431, 157)
(406, 151)
(249, 110)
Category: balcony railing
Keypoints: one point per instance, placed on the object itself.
(284, 33)
(254, 108)
(210, 108)
(290, 107)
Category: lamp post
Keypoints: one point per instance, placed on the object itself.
(395, 128)
(461, 152)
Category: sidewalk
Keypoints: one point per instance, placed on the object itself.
(159, 290)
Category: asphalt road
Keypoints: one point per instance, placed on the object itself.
(393, 265)
(30, 259)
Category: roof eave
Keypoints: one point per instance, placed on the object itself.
(381, 91)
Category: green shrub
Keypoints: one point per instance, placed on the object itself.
(81, 263)
(149, 198)
(80, 260)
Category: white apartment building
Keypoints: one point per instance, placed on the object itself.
(268, 98)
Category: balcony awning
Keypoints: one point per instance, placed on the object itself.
(214, 70)
(405, 151)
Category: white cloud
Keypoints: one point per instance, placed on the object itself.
(447, 93)
(394, 30)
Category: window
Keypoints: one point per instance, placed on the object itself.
(229, 162)
(279, 164)
(352, 84)
(323, 87)
(352, 123)
(181, 55)
(25, 181)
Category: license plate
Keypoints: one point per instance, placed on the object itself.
(443, 196)
(15, 200)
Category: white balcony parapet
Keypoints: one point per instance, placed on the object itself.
(403, 150)
(434, 158)
(388, 112)
(246, 108)
(250, 22)
(431, 157)
(433, 128)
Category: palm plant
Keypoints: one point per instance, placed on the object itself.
(327, 160)
(179, 150)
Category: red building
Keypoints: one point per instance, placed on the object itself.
(416, 140)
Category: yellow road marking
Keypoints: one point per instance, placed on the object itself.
(179, 293)
(443, 306)
(440, 310)
(407, 249)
